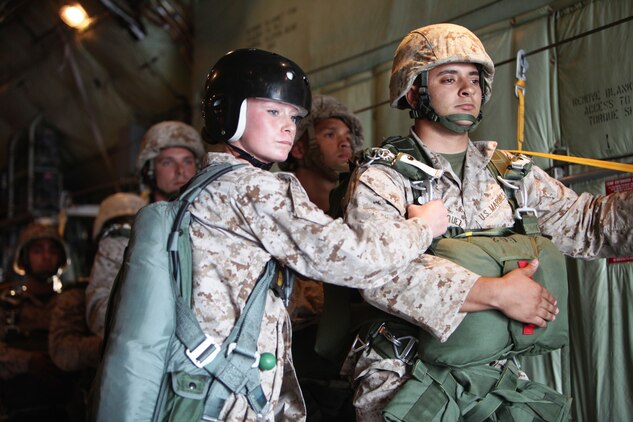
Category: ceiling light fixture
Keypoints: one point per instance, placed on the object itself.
(74, 16)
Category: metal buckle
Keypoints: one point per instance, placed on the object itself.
(518, 214)
(402, 346)
(521, 71)
(202, 348)
(524, 210)
(408, 159)
(363, 345)
(375, 154)
(424, 186)
(232, 348)
(405, 356)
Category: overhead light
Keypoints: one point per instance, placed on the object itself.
(74, 16)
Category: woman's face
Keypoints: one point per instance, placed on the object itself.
(270, 129)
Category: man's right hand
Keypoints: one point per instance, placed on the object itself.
(516, 295)
(434, 214)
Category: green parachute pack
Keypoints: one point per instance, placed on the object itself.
(158, 364)
(454, 380)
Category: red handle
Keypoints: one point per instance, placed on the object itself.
(528, 329)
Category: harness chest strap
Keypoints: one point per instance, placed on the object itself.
(405, 156)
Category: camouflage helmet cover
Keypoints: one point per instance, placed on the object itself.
(117, 205)
(325, 107)
(431, 46)
(168, 134)
(36, 231)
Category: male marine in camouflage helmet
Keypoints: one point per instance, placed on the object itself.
(169, 157)
(428, 48)
(112, 228)
(77, 320)
(443, 75)
(40, 252)
(326, 140)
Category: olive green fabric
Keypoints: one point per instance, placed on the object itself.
(489, 335)
(457, 162)
(475, 394)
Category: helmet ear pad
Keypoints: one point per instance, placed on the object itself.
(223, 115)
(22, 266)
(241, 122)
(147, 173)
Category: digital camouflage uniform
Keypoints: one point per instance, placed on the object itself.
(249, 216)
(111, 228)
(579, 225)
(105, 268)
(71, 345)
(73, 348)
(306, 302)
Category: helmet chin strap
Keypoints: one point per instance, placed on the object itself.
(449, 122)
(241, 125)
(425, 110)
(248, 157)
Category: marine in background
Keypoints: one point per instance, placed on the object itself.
(169, 156)
(111, 232)
(31, 386)
(325, 142)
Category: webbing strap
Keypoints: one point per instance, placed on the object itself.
(519, 91)
(234, 363)
(514, 170)
(443, 383)
(235, 368)
(491, 402)
(611, 165)
(179, 247)
(538, 399)
(181, 266)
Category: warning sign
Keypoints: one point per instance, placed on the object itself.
(619, 185)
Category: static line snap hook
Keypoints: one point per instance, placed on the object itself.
(521, 73)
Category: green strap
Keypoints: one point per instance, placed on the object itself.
(474, 394)
(491, 402)
(535, 399)
(407, 145)
(233, 369)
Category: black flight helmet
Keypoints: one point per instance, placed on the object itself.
(249, 73)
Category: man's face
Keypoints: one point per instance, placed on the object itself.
(454, 89)
(270, 129)
(173, 168)
(334, 140)
(43, 256)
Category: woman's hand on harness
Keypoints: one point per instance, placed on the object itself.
(516, 295)
(434, 214)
